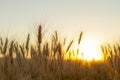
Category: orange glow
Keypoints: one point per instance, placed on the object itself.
(89, 49)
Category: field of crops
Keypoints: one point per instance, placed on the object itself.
(46, 61)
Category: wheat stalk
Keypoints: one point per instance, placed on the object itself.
(80, 37)
(27, 44)
(18, 56)
(11, 52)
(5, 46)
(39, 38)
(69, 46)
(22, 51)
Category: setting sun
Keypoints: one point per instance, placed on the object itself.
(89, 49)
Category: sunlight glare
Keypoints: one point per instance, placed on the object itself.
(89, 49)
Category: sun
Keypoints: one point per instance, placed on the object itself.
(89, 49)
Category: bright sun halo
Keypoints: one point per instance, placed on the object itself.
(89, 49)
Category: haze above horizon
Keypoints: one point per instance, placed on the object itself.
(99, 19)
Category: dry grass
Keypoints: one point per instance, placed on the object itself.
(47, 61)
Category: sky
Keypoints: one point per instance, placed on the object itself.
(99, 19)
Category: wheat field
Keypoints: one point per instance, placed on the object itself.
(47, 61)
